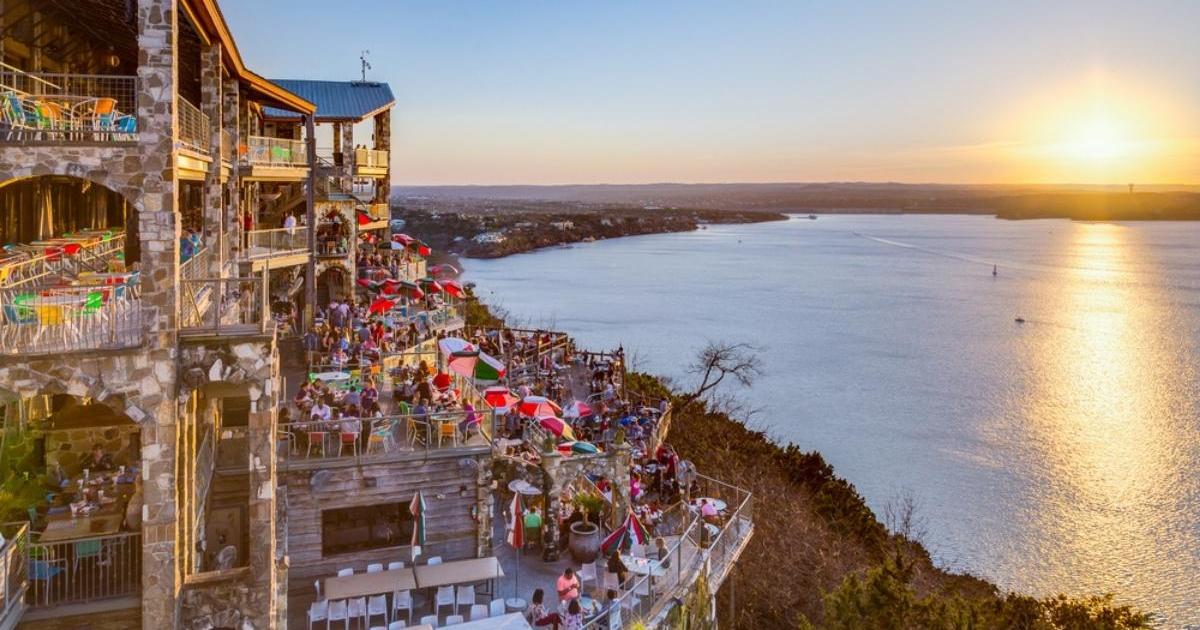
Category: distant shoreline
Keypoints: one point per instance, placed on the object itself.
(517, 232)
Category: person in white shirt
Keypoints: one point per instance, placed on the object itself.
(321, 411)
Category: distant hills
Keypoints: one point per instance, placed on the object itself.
(1084, 202)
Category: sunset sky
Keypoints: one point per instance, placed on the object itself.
(696, 91)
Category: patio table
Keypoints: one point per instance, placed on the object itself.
(459, 572)
(643, 566)
(104, 522)
(366, 584)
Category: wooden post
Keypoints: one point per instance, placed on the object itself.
(310, 278)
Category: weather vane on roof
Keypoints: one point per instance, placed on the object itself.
(366, 65)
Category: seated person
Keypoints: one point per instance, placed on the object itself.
(99, 460)
(709, 513)
(663, 555)
(538, 615)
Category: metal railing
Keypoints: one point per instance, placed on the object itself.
(275, 242)
(84, 570)
(195, 133)
(275, 152)
(697, 551)
(223, 306)
(196, 266)
(14, 573)
(364, 439)
(50, 263)
(70, 319)
(372, 158)
(41, 106)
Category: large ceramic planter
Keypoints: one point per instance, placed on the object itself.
(585, 542)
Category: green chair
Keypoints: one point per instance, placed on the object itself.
(93, 303)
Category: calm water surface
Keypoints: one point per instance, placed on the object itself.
(1058, 455)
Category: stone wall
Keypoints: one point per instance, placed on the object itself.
(69, 447)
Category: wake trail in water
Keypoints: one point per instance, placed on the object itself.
(977, 260)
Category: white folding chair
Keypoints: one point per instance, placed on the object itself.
(337, 612)
(433, 560)
(588, 572)
(642, 587)
(454, 620)
(357, 608)
(345, 572)
(396, 625)
(317, 585)
(496, 608)
(377, 605)
(429, 620)
(375, 568)
(479, 611)
(402, 600)
(444, 597)
(465, 596)
(318, 611)
(392, 566)
(611, 581)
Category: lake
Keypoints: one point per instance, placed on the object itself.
(1057, 455)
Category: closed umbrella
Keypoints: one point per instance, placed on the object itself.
(516, 538)
(417, 509)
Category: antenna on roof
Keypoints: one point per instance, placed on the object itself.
(366, 65)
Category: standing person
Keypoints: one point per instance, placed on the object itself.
(247, 227)
(567, 585)
(616, 565)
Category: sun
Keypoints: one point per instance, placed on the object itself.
(1098, 136)
(1095, 131)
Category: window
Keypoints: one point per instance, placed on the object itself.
(346, 530)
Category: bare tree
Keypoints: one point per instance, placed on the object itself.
(719, 360)
(901, 515)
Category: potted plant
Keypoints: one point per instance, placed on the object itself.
(585, 535)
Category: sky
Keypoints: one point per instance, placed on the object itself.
(624, 91)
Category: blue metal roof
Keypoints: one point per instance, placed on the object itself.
(335, 100)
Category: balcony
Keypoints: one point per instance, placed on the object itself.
(194, 157)
(274, 159)
(51, 108)
(220, 307)
(276, 248)
(78, 318)
(37, 576)
(356, 442)
(370, 163)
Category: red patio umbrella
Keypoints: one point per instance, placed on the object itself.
(538, 406)
(381, 306)
(557, 427)
(499, 397)
(453, 288)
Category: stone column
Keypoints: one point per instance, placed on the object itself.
(212, 105)
(383, 142)
(348, 156)
(263, 481)
(622, 460)
(158, 225)
(551, 489)
(231, 120)
(484, 506)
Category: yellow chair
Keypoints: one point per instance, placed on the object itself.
(447, 429)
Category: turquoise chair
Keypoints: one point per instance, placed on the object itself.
(88, 549)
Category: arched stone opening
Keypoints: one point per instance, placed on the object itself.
(42, 207)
